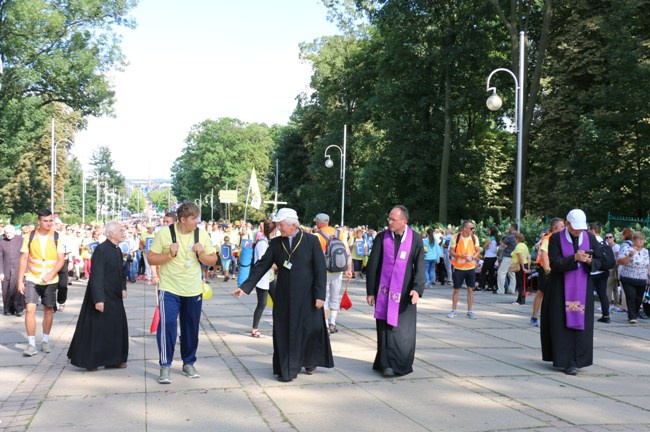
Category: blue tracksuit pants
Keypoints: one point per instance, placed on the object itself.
(189, 309)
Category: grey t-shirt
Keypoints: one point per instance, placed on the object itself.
(510, 243)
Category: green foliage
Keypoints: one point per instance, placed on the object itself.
(592, 144)
(137, 201)
(162, 197)
(221, 154)
(25, 218)
(55, 57)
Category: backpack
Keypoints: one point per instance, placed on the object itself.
(31, 237)
(172, 231)
(336, 255)
(609, 261)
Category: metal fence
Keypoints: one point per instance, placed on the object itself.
(623, 222)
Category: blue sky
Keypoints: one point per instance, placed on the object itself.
(192, 60)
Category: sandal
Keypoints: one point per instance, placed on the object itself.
(256, 334)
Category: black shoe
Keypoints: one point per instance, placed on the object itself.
(282, 379)
(310, 370)
(604, 319)
(388, 372)
(571, 370)
(20, 313)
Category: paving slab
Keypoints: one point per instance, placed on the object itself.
(469, 375)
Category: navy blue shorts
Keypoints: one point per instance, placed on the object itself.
(467, 276)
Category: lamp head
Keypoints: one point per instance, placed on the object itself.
(494, 102)
(328, 162)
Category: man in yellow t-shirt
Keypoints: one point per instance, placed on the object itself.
(40, 262)
(181, 287)
(465, 252)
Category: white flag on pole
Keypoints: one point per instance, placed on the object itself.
(256, 196)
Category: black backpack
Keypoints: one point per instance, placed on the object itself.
(172, 231)
(336, 255)
(609, 261)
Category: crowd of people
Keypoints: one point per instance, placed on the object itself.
(303, 268)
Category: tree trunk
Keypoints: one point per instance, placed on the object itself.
(446, 150)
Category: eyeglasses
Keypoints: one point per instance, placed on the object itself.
(393, 220)
(609, 237)
(472, 228)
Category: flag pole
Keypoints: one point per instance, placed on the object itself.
(248, 191)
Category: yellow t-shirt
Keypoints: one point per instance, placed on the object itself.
(522, 249)
(60, 248)
(181, 275)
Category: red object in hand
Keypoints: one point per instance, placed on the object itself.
(155, 321)
(346, 303)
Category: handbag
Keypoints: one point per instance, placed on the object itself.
(346, 303)
(514, 267)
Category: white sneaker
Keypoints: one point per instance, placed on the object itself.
(30, 351)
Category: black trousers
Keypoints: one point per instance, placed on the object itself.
(634, 289)
(62, 289)
(600, 285)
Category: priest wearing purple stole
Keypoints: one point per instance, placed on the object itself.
(395, 281)
(567, 321)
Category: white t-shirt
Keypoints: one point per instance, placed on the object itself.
(260, 249)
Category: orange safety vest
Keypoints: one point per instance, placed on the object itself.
(464, 248)
(538, 260)
(37, 264)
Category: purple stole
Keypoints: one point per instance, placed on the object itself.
(575, 284)
(393, 272)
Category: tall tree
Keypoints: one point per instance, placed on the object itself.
(220, 153)
(137, 201)
(592, 137)
(55, 56)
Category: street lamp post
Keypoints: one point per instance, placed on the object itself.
(329, 164)
(83, 197)
(53, 164)
(494, 103)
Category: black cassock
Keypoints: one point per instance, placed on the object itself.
(299, 333)
(102, 338)
(563, 346)
(396, 345)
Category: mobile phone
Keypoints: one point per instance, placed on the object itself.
(590, 252)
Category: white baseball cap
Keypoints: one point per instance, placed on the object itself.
(285, 213)
(578, 219)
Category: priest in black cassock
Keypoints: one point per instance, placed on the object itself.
(395, 282)
(101, 337)
(300, 337)
(567, 319)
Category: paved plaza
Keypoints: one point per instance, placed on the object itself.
(470, 375)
